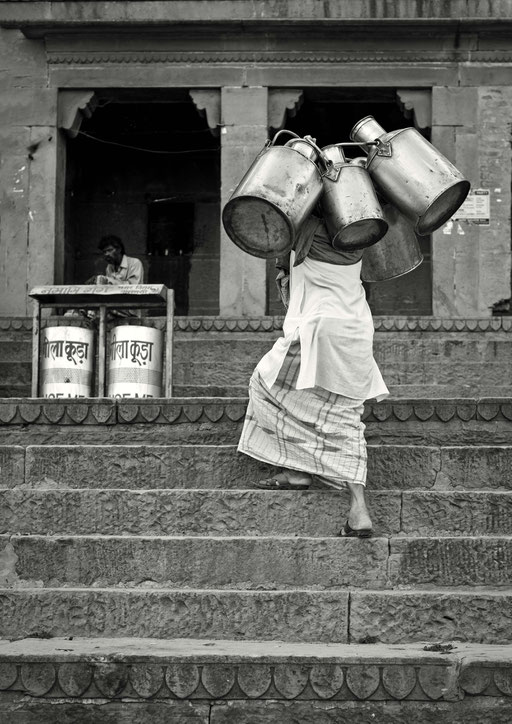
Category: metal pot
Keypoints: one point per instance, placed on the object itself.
(352, 213)
(396, 254)
(412, 174)
(274, 198)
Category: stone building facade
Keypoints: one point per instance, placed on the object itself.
(140, 117)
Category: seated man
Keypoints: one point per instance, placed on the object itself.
(121, 269)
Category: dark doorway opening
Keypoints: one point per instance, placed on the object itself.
(328, 115)
(146, 167)
(170, 248)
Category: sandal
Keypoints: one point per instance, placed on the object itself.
(348, 532)
(275, 484)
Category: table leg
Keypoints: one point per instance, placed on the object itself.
(102, 343)
(36, 330)
(169, 343)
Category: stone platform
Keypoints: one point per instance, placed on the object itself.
(212, 682)
(418, 356)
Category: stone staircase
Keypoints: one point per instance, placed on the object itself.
(129, 525)
(143, 579)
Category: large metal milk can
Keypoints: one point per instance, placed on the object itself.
(412, 174)
(274, 198)
(396, 254)
(352, 213)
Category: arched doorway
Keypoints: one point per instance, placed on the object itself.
(145, 166)
(329, 114)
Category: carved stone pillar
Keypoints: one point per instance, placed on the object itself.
(244, 132)
(247, 113)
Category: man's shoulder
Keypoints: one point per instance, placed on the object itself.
(133, 261)
(135, 270)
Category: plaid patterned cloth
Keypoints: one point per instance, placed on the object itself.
(311, 430)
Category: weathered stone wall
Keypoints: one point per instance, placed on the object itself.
(27, 172)
(471, 264)
(452, 48)
(495, 156)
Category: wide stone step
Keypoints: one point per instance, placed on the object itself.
(129, 466)
(399, 391)
(469, 613)
(313, 513)
(457, 421)
(257, 561)
(291, 615)
(229, 682)
(15, 381)
(400, 616)
(199, 562)
(456, 513)
(390, 467)
(190, 513)
(457, 561)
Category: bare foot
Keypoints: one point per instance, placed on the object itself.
(359, 515)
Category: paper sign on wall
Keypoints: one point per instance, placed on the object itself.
(476, 208)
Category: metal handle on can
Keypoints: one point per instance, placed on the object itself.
(283, 130)
(334, 171)
(330, 170)
(383, 148)
(366, 143)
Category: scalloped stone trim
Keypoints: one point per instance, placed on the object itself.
(314, 57)
(232, 409)
(273, 324)
(112, 678)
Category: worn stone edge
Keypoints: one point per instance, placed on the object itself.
(448, 679)
(39, 411)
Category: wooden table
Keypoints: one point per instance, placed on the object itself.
(103, 297)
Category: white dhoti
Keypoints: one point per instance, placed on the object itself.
(306, 395)
(310, 430)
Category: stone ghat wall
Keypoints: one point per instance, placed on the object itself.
(216, 356)
(458, 51)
